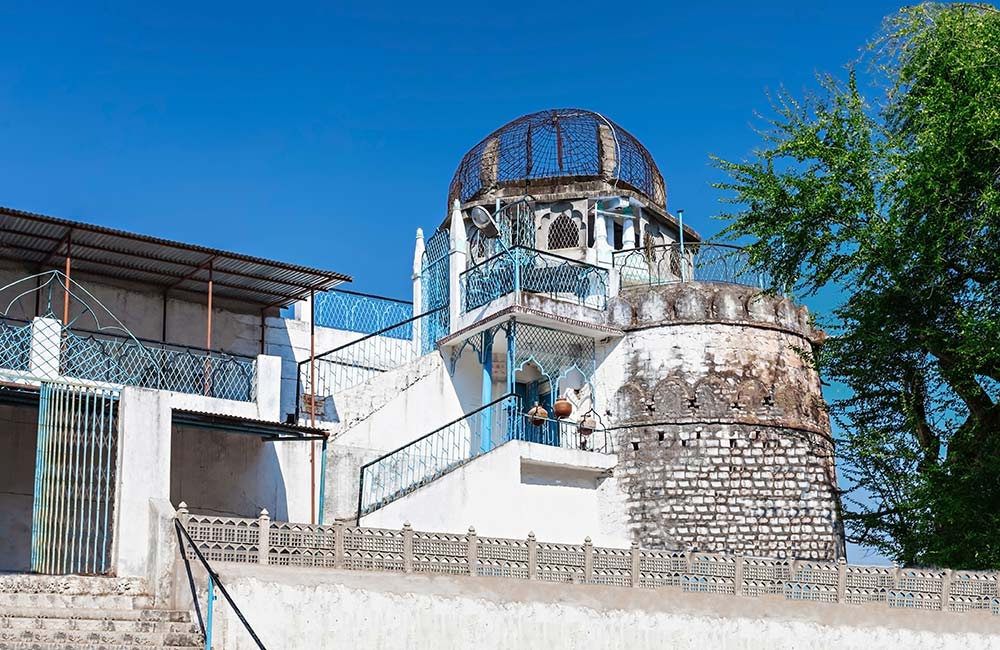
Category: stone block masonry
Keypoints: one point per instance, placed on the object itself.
(723, 436)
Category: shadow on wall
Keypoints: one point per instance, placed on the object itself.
(18, 439)
(226, 474)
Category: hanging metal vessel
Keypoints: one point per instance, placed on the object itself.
(537, 414)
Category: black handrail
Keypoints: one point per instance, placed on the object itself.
(214, 576)
(369, 295)
(361, 473)
(298, 371)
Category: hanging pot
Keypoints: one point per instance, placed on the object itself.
(587, 426)
(537, 415)
(562, 408)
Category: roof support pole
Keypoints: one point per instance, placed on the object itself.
(312, 402)
(163, 325)
(208, 333)
(69, 264)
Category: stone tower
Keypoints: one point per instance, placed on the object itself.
(724, 440)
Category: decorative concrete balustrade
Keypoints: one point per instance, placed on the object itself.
(339, 546)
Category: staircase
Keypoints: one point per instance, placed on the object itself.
(92, 613)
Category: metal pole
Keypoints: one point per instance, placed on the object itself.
(312, 402)
(208, 331)
(69, 256)
(680, 221)
(208, 614)
(322, 481)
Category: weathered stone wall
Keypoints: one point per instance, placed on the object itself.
(724, 441)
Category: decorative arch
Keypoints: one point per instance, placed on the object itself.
(564, 232)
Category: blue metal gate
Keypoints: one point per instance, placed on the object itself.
(75, 473)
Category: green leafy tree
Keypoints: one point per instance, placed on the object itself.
(895, 201)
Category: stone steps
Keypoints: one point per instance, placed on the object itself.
(84, 612)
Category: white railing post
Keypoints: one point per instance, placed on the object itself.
(45, 348)
(588, 560)
(473, 551)
(532, 557)
(634, 551)
(263, 537)
(407, 548)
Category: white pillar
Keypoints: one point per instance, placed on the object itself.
(628, 233)
(418, 290)
(45, 348)
(457, 265)
(302, 310)
(601, 245)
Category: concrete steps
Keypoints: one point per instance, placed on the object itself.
(80, 612)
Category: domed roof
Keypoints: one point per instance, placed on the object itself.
(555, 148)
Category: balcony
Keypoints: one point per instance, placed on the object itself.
(695, 262)
(532, 271)
(45, 350)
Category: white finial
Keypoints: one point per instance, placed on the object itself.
(418, 253)
(458, 236)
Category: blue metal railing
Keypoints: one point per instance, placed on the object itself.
(363, 313)
(15, 344)
(354, 363)
(534, 271)
(128, 361)
(430, 457)
(694, 262)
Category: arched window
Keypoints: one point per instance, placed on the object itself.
(564, 233)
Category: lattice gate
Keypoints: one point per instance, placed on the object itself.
(75, 475)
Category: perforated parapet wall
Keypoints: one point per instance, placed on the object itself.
(724, 440)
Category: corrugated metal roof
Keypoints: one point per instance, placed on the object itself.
(40, 239)
(238, 424)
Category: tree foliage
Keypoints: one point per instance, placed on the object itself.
(894, 198)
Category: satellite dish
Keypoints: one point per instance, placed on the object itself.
(482, 219)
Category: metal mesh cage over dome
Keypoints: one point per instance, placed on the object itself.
(564, 143)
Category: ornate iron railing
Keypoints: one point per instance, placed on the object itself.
(568, 434)
(534, 271)
(149, 364)
(363, 313)
(15, 344)
(695, 262)
(411, 551)
(354, 363)
(403, 470)
(429, 457)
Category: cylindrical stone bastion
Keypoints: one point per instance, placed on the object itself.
(722, 433)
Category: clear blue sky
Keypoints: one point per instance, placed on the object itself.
(326, 135)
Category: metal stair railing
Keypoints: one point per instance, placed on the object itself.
(356, 362)
(403, 470)
(205, 623)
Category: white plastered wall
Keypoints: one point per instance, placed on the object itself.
(562, 495)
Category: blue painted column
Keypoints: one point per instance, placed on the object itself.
(486, 425)
(514, 419)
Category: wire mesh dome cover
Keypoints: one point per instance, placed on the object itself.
(568, 143)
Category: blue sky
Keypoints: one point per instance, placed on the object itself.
(325, 135)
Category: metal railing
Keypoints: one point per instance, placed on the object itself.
(105, 358)
(567, 434)
(15, 344)
(430, 457)
(363, 313)
(534, 271)
(205, 623)
(466, 553)
(358, 361)
(695, 262)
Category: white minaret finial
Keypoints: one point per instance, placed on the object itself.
(418, 254)
(459, 240)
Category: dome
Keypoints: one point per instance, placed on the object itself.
(553, 151)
